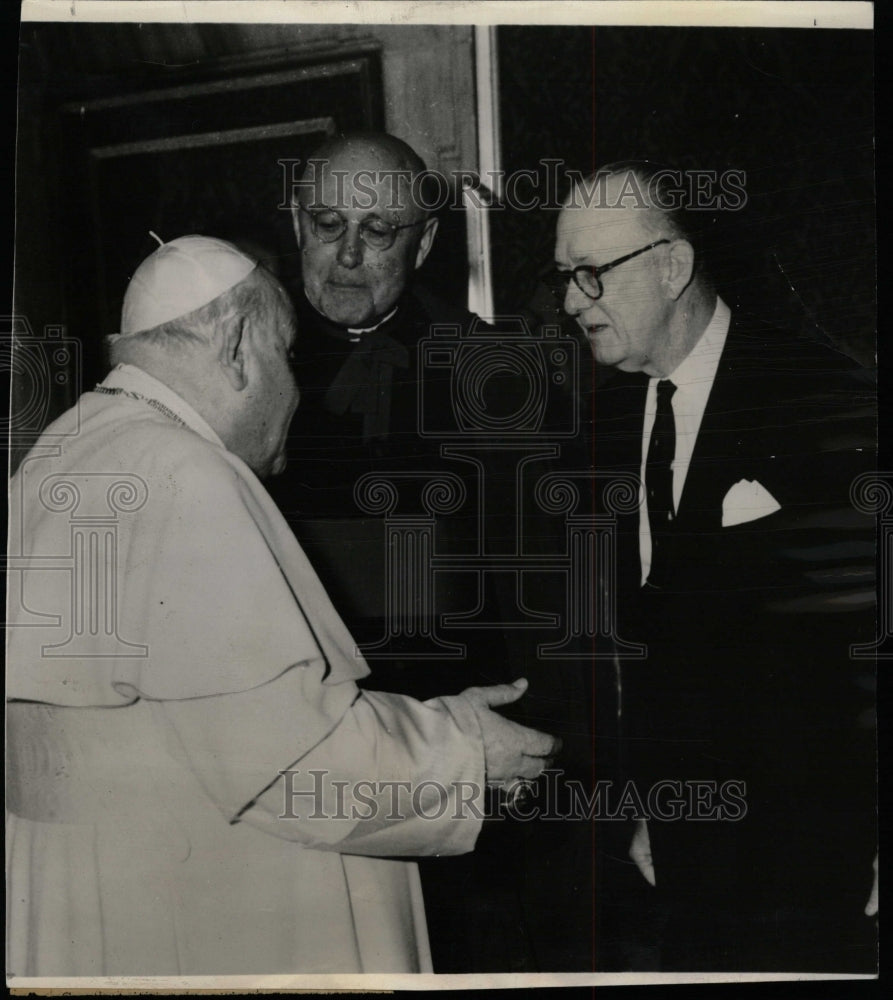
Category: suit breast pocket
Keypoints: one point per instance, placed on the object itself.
(746, 501)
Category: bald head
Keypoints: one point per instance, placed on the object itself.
(361, 225)
(367, 151)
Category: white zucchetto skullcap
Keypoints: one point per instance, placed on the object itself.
(179, 277)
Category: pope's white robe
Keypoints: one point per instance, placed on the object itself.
(171, 652)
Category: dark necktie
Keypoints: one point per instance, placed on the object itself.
(659, 479)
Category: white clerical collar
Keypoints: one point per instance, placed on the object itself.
(356, 331)
(132, 381)
(699, 367)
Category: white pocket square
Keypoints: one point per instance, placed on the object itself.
(747, 501)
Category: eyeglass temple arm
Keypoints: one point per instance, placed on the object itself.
(622, 260)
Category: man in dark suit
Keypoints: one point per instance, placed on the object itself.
(363, 232)
(749, 574)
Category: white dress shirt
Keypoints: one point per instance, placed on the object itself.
(693, 379)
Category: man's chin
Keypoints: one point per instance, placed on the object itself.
(604, 354)
(348, 308)
(611, 355)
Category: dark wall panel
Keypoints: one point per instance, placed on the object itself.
(792, 108)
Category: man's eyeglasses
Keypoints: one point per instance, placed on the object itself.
(329, 226)
(589, 278)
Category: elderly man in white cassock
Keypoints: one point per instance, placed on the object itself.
(196, 785)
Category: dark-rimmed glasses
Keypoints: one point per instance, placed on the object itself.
(328, 226)
(587, 277)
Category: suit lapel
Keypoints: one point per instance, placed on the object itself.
(728, 447)
(728, 437)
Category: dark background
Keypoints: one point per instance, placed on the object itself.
(127, 128)
(792, 108)
(823, 145)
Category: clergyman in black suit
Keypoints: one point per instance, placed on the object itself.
(748, 572)
(362, 222)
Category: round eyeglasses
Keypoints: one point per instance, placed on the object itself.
(587, 277)
(328, 226)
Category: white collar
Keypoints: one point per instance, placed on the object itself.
(368, 329)
(698, 368)
(130, 379)
(355, 331)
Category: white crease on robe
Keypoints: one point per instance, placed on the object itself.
(144, 835)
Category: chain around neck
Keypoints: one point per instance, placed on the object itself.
(154, 403)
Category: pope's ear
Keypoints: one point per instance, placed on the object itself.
(232, 348)
(426, 242)
(681, 257)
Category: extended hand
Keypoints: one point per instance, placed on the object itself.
(511, 751)
(640, 851)
(871, 907)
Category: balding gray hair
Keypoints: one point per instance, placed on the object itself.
(387, 154)
(666, 211)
